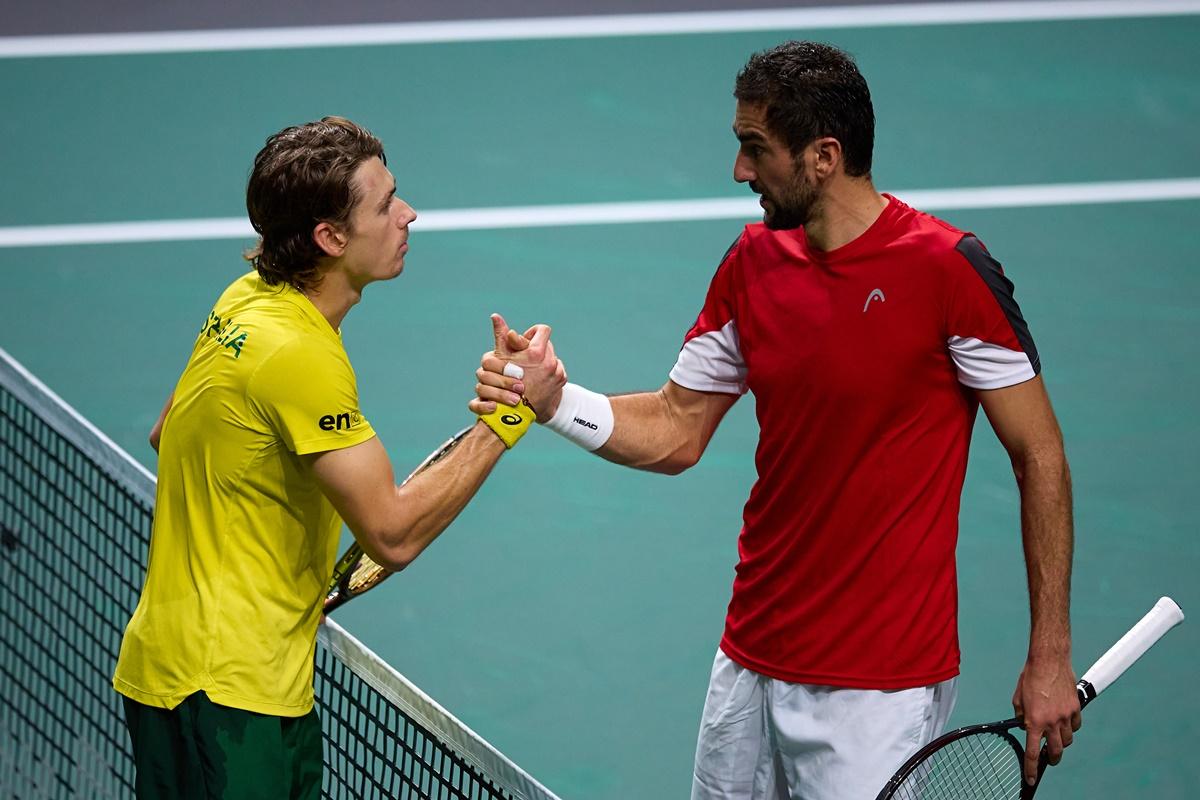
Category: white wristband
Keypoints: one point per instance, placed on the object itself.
(583, 416)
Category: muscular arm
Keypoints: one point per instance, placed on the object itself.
(665, 431)
(1024, 422)
(395, 523)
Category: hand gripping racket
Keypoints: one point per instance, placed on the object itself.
(983, 762)
(355, 572)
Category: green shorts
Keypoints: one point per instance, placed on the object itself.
(202, 751)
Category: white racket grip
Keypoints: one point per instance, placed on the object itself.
(1165, 615)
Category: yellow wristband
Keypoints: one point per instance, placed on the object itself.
(510, 422)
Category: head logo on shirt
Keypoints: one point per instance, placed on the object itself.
(876, 294)
(339, 422)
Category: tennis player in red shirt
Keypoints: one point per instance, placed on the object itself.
(870, 333)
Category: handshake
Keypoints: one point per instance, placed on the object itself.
(522, 380)
(521, 367)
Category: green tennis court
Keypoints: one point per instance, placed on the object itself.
(571, 614)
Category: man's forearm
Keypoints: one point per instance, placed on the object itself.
(1048, 533)
(648, 434)
(395, 523)
(433, 499)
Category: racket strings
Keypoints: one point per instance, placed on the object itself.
(366, 575)
(982, 766)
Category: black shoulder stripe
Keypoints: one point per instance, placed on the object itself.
(729, 250)
(1002, 289)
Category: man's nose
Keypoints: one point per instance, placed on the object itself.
(742, 172)
(407, 214)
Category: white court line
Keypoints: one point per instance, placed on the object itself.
(588, 26)
(745, 208)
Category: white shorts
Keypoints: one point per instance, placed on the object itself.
(766, 739)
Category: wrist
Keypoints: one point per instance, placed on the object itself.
(1050, 640)
(550, 408)
(1044, 656)
(510, 422)
(583, 416)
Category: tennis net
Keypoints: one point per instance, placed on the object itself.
(75, 515)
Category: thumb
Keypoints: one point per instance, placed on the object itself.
(500, 331)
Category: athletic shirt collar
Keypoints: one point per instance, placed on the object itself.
(878, 233)
(301, 301)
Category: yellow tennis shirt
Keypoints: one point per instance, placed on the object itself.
(244, 541)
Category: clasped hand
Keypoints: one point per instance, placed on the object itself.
(543, 374)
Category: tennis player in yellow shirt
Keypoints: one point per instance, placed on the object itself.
(263, 452)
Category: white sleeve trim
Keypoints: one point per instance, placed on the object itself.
(982, 365)
(712, 362)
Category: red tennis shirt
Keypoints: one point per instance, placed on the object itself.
(863, 362)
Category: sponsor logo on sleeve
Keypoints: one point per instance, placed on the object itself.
(344, 421)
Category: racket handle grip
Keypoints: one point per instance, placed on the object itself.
(1165, 615)
(335, 600)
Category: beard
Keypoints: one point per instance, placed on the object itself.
(792, 206)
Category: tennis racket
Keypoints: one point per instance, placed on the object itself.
(355, 572)
(983, 762)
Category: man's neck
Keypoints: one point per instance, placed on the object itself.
(844, 212)
(334, 296)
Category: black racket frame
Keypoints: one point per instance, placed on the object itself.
(1002, 729)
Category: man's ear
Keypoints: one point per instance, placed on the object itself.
(827, 157)
(330, 239)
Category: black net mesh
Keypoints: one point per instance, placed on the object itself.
(70, 573)
(381, 751)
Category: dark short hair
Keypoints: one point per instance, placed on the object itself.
(812, 90)
(302, 177)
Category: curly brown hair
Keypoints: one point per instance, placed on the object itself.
(812, 90)
(302, 177)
